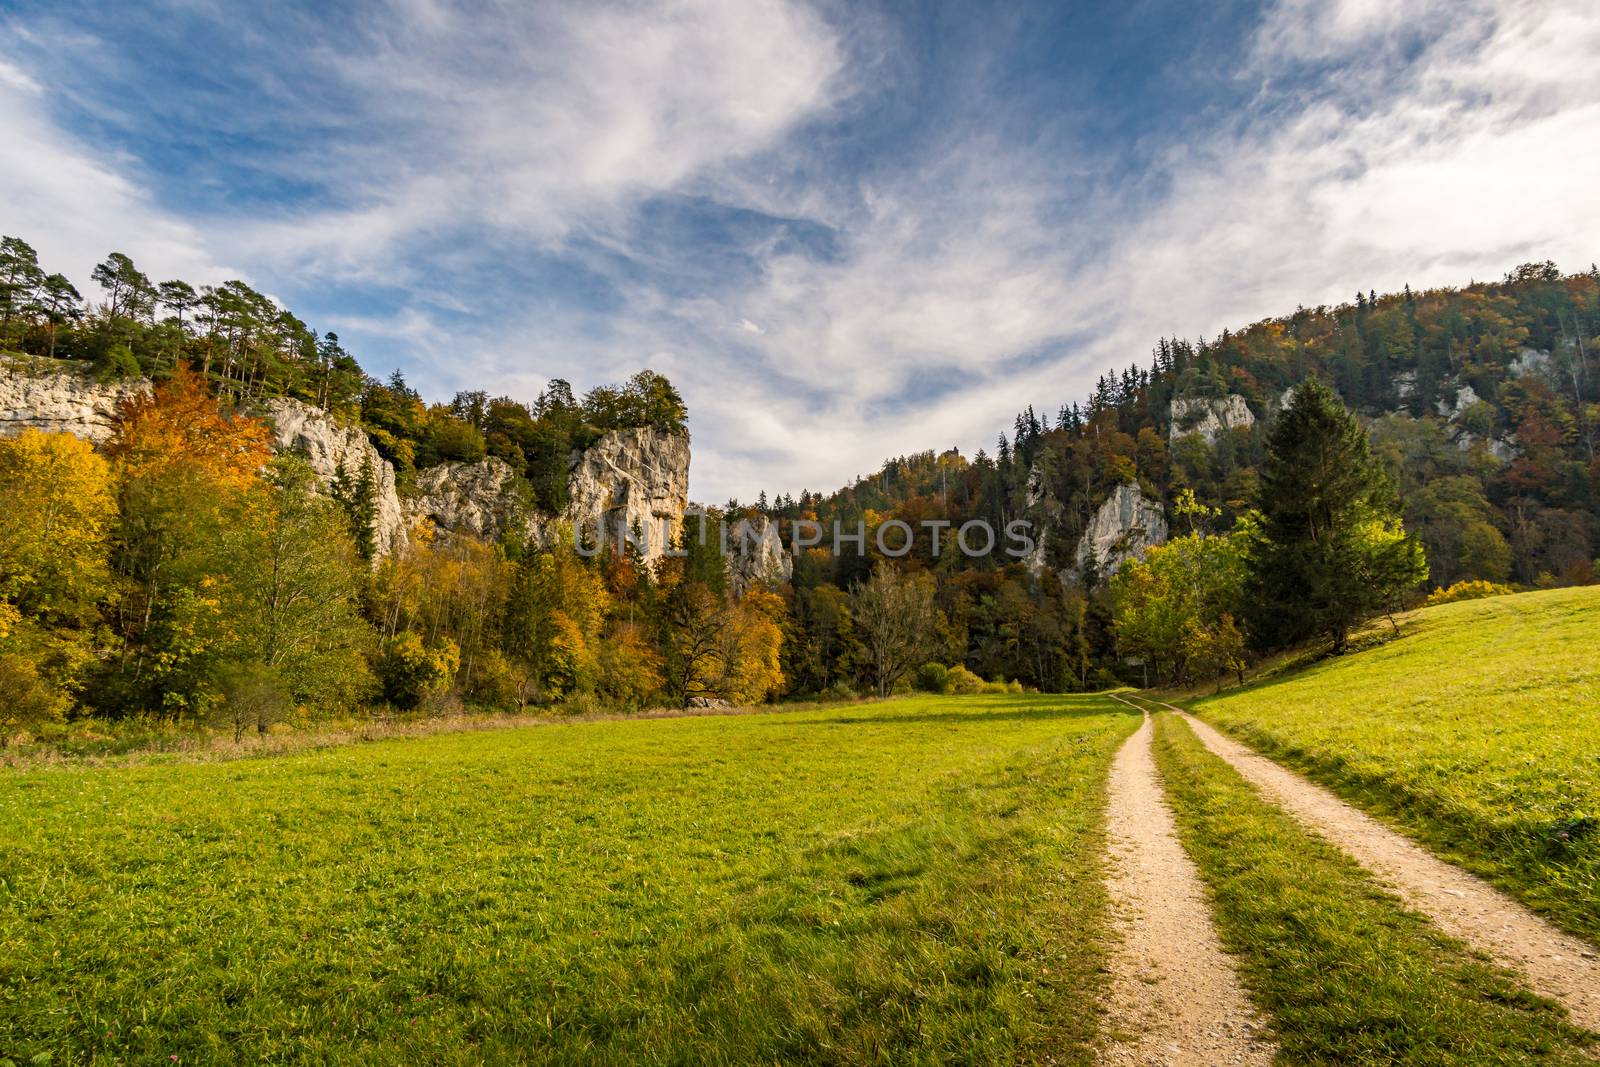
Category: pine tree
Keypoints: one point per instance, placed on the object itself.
(1331, 551)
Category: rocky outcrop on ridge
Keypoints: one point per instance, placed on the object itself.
(1210, 418)
(1125, 526)
(62, 403)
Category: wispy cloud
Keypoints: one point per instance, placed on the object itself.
(745, 195)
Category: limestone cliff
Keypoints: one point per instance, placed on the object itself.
(62, 403)
(629, 479)
(1122, 529)
(755, 553)
(329, 446)
(636, 478)
(1210, 418)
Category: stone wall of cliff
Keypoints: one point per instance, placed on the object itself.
(633, 478)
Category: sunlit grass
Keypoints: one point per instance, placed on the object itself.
(916, 881)
(1348, 975)
(1478, 730)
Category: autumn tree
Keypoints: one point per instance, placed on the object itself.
(895, 615)
(185, 469)
(59, 507)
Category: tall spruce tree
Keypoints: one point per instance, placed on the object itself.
(1331, 551)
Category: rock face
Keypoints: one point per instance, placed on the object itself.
(755, 554)
(633, 478)
(62, 403)
(482, 499)
(1126, 524)
(1530, 361)
(329, 446)
(638, 477)
(1209, 418)
(1466, 396)
(1044, 511)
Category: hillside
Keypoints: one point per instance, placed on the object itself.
(1480, 403)
(1475, 730)
(1484, 401)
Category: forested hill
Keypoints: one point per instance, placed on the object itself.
(248, 348)
(1484, 402)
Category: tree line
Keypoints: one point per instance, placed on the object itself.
(184, 573)
(247, 348)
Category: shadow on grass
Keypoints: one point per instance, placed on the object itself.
(1020, 710)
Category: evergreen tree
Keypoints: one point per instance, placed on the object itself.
(1330, 551)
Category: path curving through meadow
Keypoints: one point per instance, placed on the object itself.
(1175, 994)
(1554, 964)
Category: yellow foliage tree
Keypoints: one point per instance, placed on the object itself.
(53, 528)
(752, 643)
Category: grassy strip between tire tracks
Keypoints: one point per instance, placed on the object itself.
(1346, 973)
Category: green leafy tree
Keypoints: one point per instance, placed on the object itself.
(20, 279)
(289, 593)
(898, 623)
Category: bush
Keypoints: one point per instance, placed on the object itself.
(582, 702)
(31, 702)
(495, 683)
(964, 682)
(933, 678)
(1014, 686)
(838, 692)
(410, 673)
(1475, 589)
(116, 363)
(254, 697)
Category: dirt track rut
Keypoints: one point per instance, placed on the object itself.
(1552, 963)
(1175, 993)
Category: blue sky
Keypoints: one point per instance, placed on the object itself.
(845, 230)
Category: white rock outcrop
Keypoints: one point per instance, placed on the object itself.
(630, 479)
(484, 499)
(1465, 397)
(1125, 526)
(63, 403)
(1044, 512)
(754, 554)
(1530, 361)
(636, 478)
(329, 445)
(1210, 418)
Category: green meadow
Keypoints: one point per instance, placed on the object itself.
(913, 881)
(1477, 730)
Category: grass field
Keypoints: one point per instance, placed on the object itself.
(915, 881)
(1478, 730)
(1346, 973)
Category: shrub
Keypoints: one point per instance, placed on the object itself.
(410, 673)
(1475, 589)
(837, 692)
(933, 678)
(495, 682)
(582, 702)
(31, 702)
(964, 682)
(1014, 686)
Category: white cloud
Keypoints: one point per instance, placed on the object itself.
(75, 204)
(1388, 142)
(537, 120)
